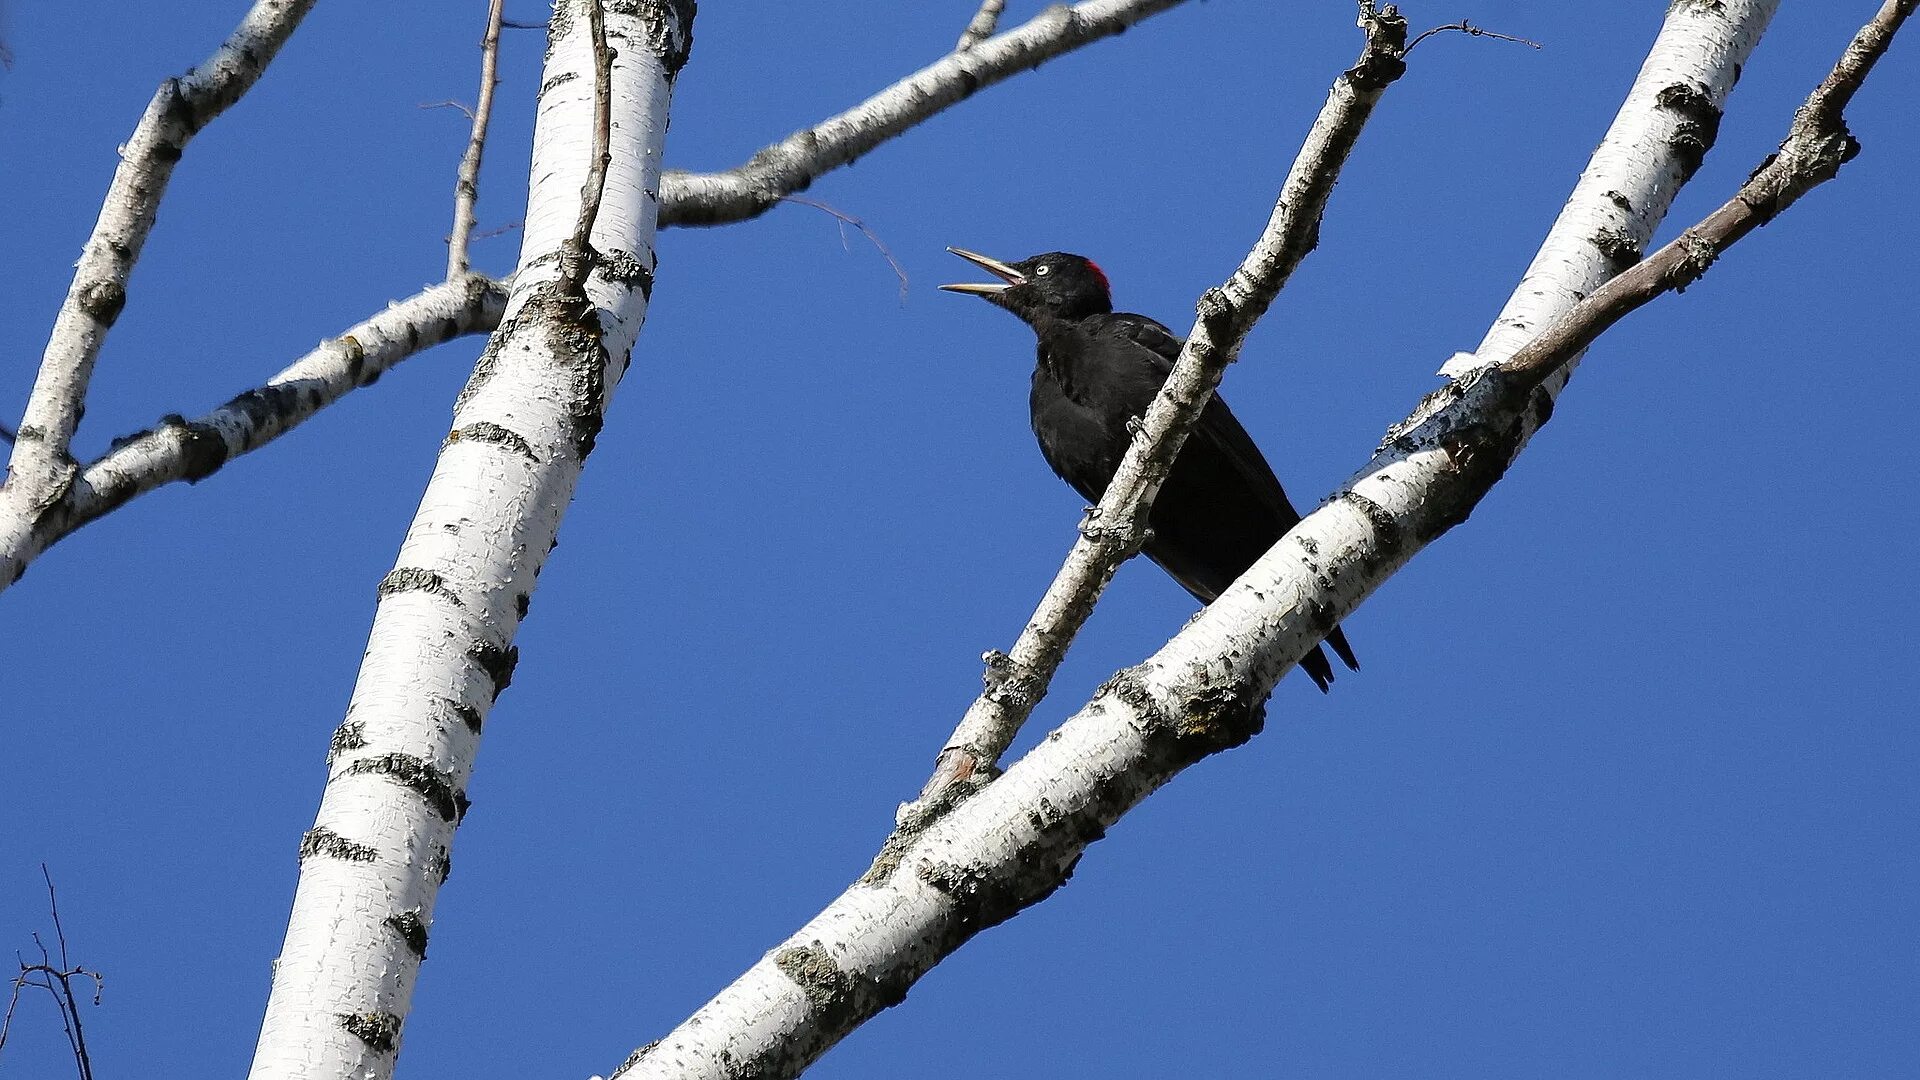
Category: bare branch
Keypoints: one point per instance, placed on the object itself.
(793, 163)
(1467, 28)
(1114, 530)
(181, 449)
(576, 257)
(466, 189)
(41, 467)
(982, 26)
(57, 979)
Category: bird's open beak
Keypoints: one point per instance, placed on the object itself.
(1009, 277)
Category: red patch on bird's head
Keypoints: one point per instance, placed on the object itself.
(1101, 274)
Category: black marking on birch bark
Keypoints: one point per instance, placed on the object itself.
(425, 780)
(488, 363)
(1389, 539)
(633, 1059)
(358, 370)
(625, 269)
(461, 711)
(321, 840)
(103, 301)
(404, 579)
(350, 735)
(412, 930)
(484, 431)
(380, 1031)
(523, 602)
(202, 450)
(269, 406)
(440, 863)
(561, 79)
(667, 26)
(1620, 201)
(1204, 720)
(496, 662)
(1620, 248)
(838, 997)
(1697, 128)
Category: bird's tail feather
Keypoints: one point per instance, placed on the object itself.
(1338, 639)
(1316, 666)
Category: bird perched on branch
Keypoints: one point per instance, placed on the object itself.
(1221, 508)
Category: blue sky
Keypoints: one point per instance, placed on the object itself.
(1627, 786)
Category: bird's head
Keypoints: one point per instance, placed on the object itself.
(1055, 285)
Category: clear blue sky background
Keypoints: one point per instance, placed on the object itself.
(1627, 788)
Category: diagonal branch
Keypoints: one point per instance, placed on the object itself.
(1114, 530)
(181, 449)
(793, 163)
(466, 188)
(807, 995)
(41, 465)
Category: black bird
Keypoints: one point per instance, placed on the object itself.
(1221, 508)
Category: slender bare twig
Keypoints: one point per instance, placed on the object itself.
(845, 219)
(1018, 679)
(57, 980)
(1817, 144)
(793, 163)
(466, 190)
(449, 104)
(576, 256)
(982, 26)
(40, 466)
(1465, 27)
(179, 449)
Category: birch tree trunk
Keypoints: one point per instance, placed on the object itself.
(441, 649)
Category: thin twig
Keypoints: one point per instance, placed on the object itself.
(1018, 679)
(982, 26)
(873, 238)
(466, 189)
(576, 255)
(57, 980)
(1465, 27)
(448, 104)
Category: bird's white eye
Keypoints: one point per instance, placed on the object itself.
(1041, 271)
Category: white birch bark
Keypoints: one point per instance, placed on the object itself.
(179, 448)
(1657, 140)
(40, 469)
(794, 162)
(1017, 838)
(441, 649)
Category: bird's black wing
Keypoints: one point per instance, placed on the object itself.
(1220, 462)
(1218, 426)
